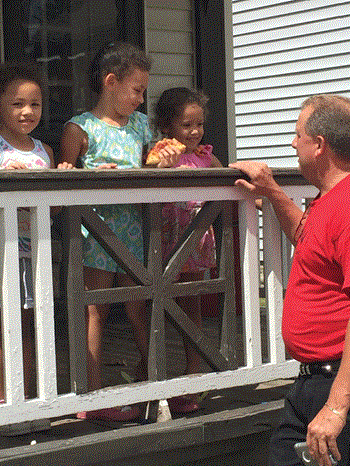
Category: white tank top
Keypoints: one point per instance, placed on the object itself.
(36, 159)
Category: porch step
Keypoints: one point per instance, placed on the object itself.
(173, 443)
(26, 427)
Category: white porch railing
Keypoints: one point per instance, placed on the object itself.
(39, 190)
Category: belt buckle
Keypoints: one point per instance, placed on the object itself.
(305, 369)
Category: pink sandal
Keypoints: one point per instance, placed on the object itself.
(183, 404)
(119, 414)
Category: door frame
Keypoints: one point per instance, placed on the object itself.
(215, 72)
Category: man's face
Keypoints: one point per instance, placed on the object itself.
(305, 145)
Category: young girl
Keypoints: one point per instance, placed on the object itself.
(20, 113)
(180, 113)
(112, 135)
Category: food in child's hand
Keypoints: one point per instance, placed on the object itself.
(153, 157)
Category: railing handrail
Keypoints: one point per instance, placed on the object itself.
(55, 179)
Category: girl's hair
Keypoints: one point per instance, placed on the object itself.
(14, 72)
(119, 58)
(172, 102)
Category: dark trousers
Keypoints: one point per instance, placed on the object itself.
(304, 400)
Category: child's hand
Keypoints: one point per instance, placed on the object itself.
(65, 166)
(15, 165)
(258, 204)
(184, 166)
(106, 166)
(169, 156)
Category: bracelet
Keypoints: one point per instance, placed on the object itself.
(334, 411)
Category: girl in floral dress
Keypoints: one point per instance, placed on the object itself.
(112, 135)
(180, 113)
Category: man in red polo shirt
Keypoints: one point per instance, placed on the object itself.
(316, 309)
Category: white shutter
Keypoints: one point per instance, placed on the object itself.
(285, 51)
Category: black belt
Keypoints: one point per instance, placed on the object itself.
(326, 368)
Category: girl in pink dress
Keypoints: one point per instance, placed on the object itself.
(180, 113)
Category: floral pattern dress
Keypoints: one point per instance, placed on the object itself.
(178, 215)
(123, 146)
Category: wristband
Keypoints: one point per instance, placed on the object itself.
(334, 411)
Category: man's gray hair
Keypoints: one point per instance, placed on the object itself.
(330, 119)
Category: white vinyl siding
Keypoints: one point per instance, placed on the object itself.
(284, 51)
(170, 42)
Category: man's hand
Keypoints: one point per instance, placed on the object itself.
(321, 436)
(261, 178)
(262, 183)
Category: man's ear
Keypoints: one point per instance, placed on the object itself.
(320, 145)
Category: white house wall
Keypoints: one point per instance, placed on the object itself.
(170, 42)
(284, 51)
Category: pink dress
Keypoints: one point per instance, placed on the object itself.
(178, 215)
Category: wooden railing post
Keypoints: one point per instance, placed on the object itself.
(75, 306)
(156, 361)
(226, 270)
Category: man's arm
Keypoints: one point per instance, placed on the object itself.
(262, 183)
(330, 420)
